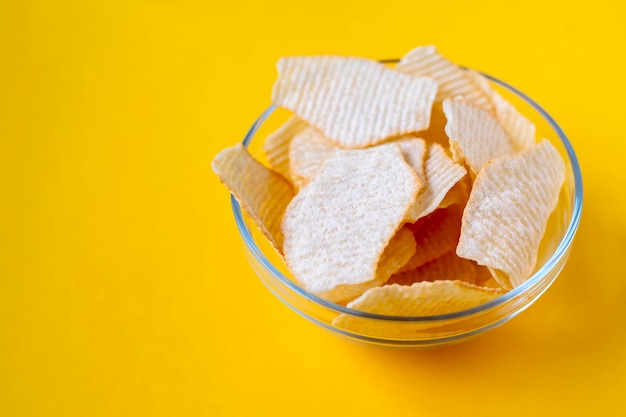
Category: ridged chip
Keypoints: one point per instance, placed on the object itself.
(507, 212)
(437, 234)
(449, 266)
(441, 173)
(426, 61)
(337, 227)
(414, 150)
(276, 145)
(355, 102)
(399, 250)
(475, 135)
(519, 128)
(423, 298)
(262, 193)
(307, 151)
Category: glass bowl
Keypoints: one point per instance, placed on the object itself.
(430, 331)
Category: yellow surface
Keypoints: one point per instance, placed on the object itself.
(123, 286)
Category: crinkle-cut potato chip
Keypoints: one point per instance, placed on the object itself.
(426, 61)
(475, 135)
(307, 151)
(437, 234)
(355, 102)
(414, 149)
(276, 145)
(399, 250)
(449, 266)
(442, 173)
(508, 209)
(423, 298)
(519, 128)
(337, 227)
(458, 194)
(262, 193)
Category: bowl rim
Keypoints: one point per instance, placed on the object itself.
(534, 280)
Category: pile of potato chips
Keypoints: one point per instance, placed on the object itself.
(409, 191)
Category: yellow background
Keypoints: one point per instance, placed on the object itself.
(123, 286)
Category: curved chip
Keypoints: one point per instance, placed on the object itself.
(475, 135)
(307, 151)
(262, 193)
(397, 253)
(453, 81)
(423, 298)
(442, 173)
(355, 102)
(507, 212)
(449, 266)
(437, 234)
(337, 227)
(276, 145)
(519, 128)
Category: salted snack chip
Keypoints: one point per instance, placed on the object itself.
(276, 145)
(423, 298)
(448, 266)
(508, 209)
(475, 135)
(337, 227)
(517, 126)
(307, 151)
(435, 235)
(397, 253)
(452, 81)
(262, 193)
(355, 102)
(441, 174)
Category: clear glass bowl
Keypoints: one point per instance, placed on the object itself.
(431, 331)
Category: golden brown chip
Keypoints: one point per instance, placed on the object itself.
(458, 194)
(506, 215)
(518, 127)
(475, 135)
(307, 151)
(436, 234)
(276, 145)
(355, 102)
(442, 173)
(426, 61)
(423, 298)
(262, 193)
(337, 227)
(449, 266)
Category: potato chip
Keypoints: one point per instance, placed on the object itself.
(414, 150)
(506, 215)
(449, 266)
(355, 102)
(442, 173)
(458, 194)
(437, 234)
(337, 227)
(423, 298)
(307, 151)
(518, 127)
(453, 81)
(399, 250)
(475, 136)
(262, 193)
(276, 145)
